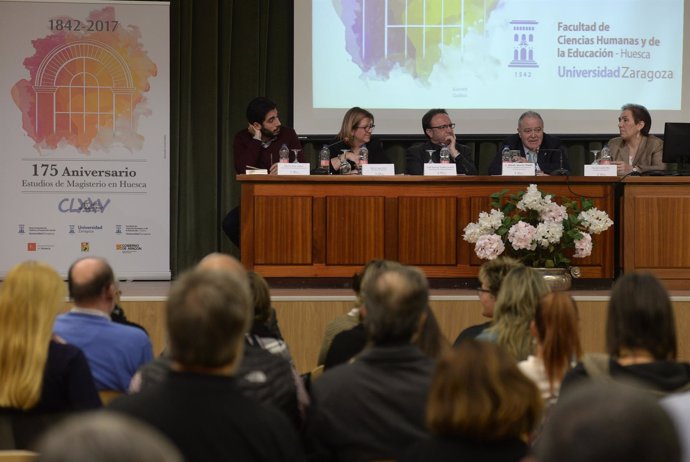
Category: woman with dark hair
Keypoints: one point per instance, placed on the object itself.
(635, 150)
(555, 330)
(480, 408)
(640, 340)
(356, 132)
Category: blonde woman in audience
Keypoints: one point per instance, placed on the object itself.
(516, 305)
(41, 378)
(480, 408)
(555, 331)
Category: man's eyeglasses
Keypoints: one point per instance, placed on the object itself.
(529, 131)
(444, 127)
(481, 290)
(368, 128)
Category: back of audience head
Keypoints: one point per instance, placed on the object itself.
(223, 262)
(207, 314)
(604, 422)
(395, 300)
(430, 338)
(479, 393)
(491, 276)
(89, 279)
(261, 297)
(105, 437)
(371, 267)
(640, 318)
(520, 293)
(30, 299)
(556, 325)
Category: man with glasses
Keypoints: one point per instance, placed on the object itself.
(438, 129)
(535, 146)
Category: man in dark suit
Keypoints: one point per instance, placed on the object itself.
(439, 131)
(534, 145)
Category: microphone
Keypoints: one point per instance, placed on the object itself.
(560, 171)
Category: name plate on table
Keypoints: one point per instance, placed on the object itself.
(440, 170)
(601, 170)
(257, 171)
(378, 170)
(518, 169)
(293, 168)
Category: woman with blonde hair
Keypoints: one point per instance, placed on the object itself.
(516, 305)
(355, 133)
(555, 330)
(480, 408)
(39, 376)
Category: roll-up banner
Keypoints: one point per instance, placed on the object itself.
(84, 134)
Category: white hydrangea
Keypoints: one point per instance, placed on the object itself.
(532, 200)
(549, 232)
(491, 220)
(554, 212)
(595, 220)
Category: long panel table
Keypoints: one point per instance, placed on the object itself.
(329, 226)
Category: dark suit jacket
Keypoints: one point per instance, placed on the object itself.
(375, 147)
(417, 156)
(548, 157)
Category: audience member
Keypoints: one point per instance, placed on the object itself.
(372, 408)
(678, 407)
(520, 293)
(601, 422)
(114, 351)
(257, 146)
(105, 437)
(556, 331)
(640, 341)
(266, 377)
(439, 131)
(118, 313)
(41, 379)
(491, 275)
(430, 339)
(198, 406)
(481, 408)
(635, 150)
(349, 320)
(545, 151)
(356, 133)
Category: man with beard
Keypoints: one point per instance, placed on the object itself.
(258, 146)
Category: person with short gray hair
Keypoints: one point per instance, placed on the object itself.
(374, 407)
(199, 406)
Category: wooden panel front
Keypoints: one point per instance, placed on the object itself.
(283, 230)
(346, 221)
(656, 224)
(428, 230)
(354, 230)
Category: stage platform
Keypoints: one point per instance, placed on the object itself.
(303, 314)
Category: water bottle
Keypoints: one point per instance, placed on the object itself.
(505, 154)
(445, 155)
(605, 158)
(324, 158)
(363, 157)
(345, 167)
(284, 154)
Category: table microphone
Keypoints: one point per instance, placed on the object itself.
(560, 171)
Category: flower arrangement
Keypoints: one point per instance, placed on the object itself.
(536, 230)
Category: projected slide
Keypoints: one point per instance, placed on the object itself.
(497, 54)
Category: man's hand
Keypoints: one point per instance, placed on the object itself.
(450, 142)
(255, 130)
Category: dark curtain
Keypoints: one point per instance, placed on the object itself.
(223, 53)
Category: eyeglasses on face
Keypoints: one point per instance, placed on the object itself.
(481, 290)
(368, 128)
(528, 131)
(444, 127)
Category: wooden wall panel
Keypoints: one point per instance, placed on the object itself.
(354, 229)
(283, 230)
(427, 230)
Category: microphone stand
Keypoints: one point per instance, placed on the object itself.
(560, 171)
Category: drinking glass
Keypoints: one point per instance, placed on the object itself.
(595, 153)
(345, 167)
(431, 155)
(296, 161)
